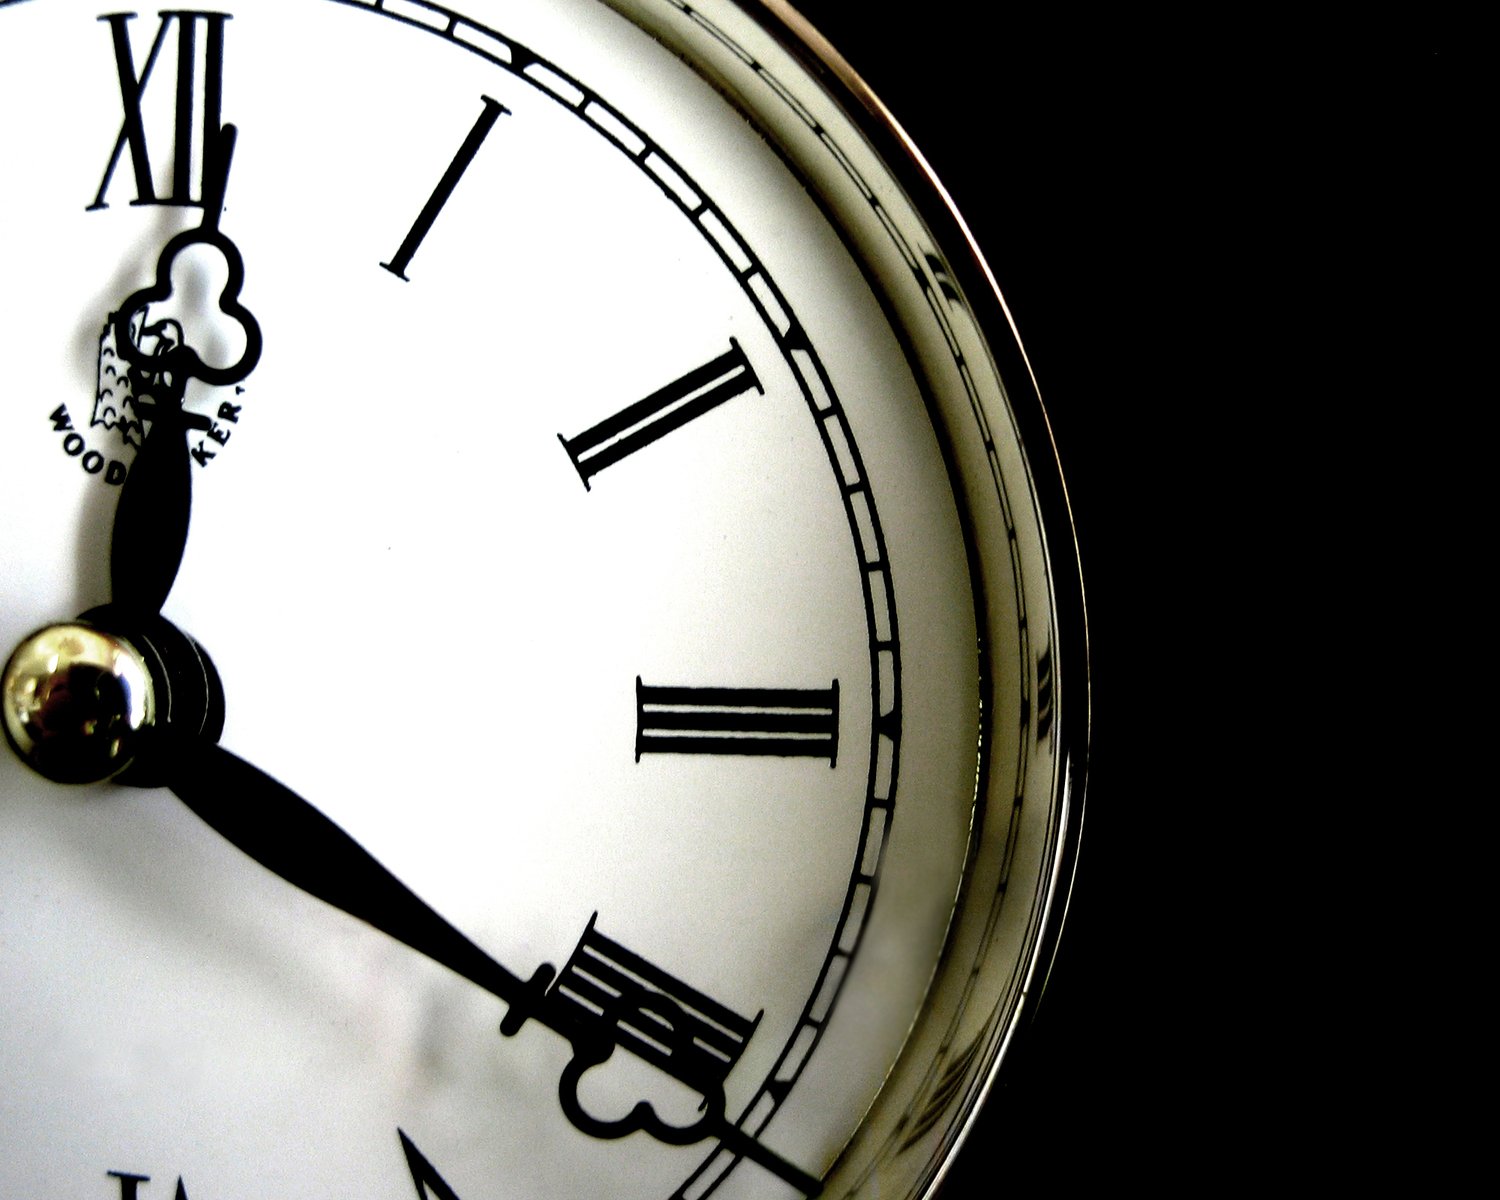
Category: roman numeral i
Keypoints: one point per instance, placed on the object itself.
(490, 112)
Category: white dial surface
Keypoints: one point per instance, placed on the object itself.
(579, 544)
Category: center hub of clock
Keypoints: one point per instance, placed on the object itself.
(84, 702)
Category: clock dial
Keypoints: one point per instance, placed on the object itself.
(549, 442)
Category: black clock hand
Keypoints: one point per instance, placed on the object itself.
(291, 838)
(152, 517)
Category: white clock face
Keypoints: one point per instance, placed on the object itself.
(580, 543)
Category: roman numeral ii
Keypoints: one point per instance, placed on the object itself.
(638, 425)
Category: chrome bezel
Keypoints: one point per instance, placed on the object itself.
(922, 262)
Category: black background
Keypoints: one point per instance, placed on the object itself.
(1225, 247)
(1080, 166)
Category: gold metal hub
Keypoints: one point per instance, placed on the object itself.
(77, 703)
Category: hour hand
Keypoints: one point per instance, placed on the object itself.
(155, 506)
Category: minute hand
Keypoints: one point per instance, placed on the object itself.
(287, 835)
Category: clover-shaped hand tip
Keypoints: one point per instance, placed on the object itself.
(219, 346)
(208, 351)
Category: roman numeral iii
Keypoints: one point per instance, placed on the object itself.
(784, 722)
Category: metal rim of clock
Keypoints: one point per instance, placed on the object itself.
(943, 1087)
(965, 261)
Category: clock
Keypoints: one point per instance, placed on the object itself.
(551, 663)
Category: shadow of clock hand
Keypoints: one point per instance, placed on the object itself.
(155, 506)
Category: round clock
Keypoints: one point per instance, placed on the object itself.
(545, 657)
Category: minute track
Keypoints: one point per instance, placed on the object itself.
(710, 222)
